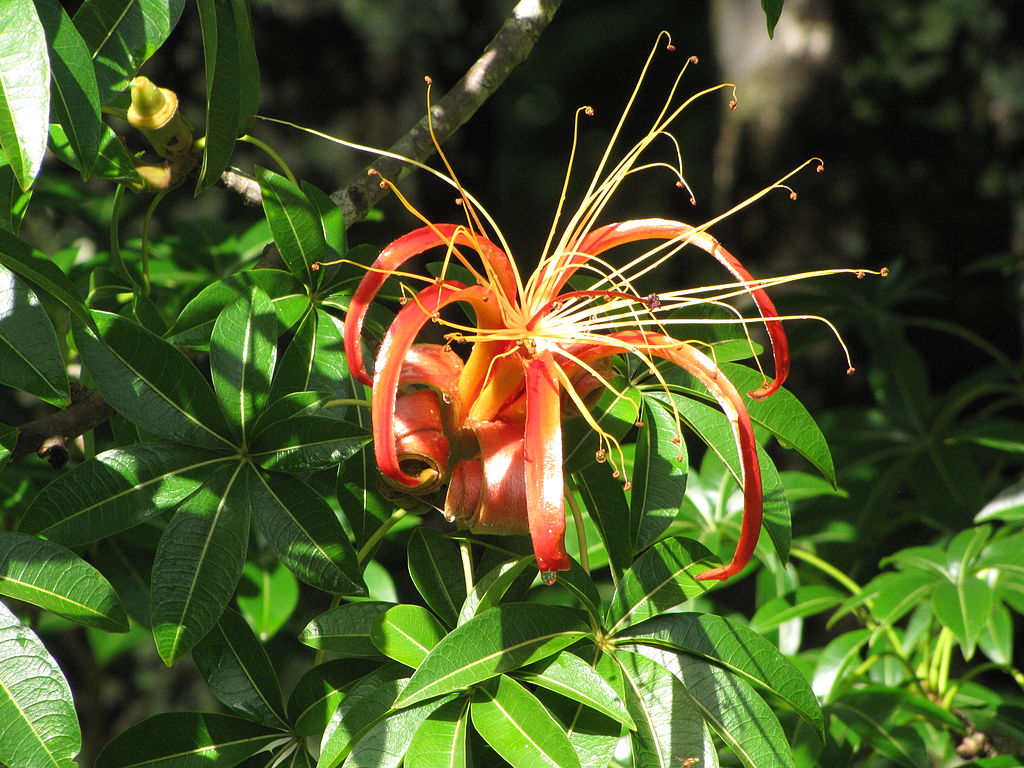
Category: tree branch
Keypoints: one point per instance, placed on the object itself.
(48, 436)
(508, 49)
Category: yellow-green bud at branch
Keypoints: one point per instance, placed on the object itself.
(154, 111)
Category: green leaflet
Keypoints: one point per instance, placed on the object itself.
(40, 725)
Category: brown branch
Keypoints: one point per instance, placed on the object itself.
(48, 436)
(505, 52)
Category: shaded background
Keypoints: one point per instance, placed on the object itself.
(916, 109)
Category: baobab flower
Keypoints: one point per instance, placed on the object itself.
(488, 424)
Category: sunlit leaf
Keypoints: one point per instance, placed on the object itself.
(198, 563)
(243, 349)
(500, 639)
(570, 676)
(122, 35)
(518, 727)
(118, 490)
(736, 648)
(661, 578)
(56, 579)
(441, 738)
(731, 708)
(24, 89)
(669, 728)
(406, 633)
(40, 726)
(30, 358)
(346, 629)
(267, 596)
(75, 93)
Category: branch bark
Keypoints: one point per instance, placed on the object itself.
(48, 436)
(506, 51)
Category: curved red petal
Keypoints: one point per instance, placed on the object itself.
(704, 369)
(545, 503)
(612, 235)
(391, 359)
(393, 257)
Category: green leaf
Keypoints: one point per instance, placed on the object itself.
(963, 608)
(151, 383)
(194, 325)
(714, 428)
(870, 713)
(606, 502)
(346, 629)
(519, 728)
(1008, 505)
(24, 89)
(503, 638)
(772, 11)
(314, 360)
(732, 708)
(660, 579)
(892, 595)
(798, 604)
(13, 201)
(669, 728)
(733, 647)
(441, 738)
(112, 161)
(593, 735)
(238, 671)
(8, 439)
(56, 579)
(19, 257)
(996, 637)
(117, 490)
(570, 676)
(243, 349)
(435, 567)
(304, 532)
(294, 222)
(659, 474)
(305, 443)
(122, 35)
(385, 743)
(40, 726)
(30, 357)
(835, 659)
(198, 563)
(495, 583)
(366, 702)
(187, 740)
(359, 496)
(318, 692)
(232, 81)
(267, 597)
(406, 633)
(75, 93)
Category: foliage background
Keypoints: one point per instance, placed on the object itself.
(917, 114)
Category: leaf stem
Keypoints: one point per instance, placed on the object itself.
(380, 533)
(827, 568)
(466, 553)
(273, 154)
(581, 533)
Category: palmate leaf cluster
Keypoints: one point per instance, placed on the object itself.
(231, 500)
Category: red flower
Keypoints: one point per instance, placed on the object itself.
(490, 426)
